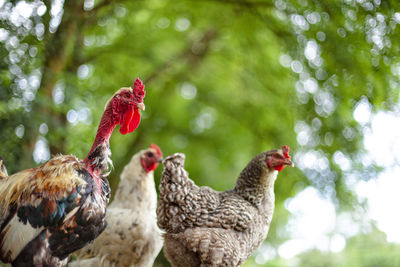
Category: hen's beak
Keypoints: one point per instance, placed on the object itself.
(141, 106)
(288, 162)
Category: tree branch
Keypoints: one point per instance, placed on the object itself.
(241, 3)
(193, 52)
(92, 17)
(101, 5)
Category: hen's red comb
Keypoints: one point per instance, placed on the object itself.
(156, 148)
(285, 150)
(138, 90)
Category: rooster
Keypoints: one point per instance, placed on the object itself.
(208, 228)
(132, 237)
(50, 211)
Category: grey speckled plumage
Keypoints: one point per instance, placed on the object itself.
(209, 228)
(132, 237)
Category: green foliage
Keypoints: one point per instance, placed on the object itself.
(225, 80)
(364, 250)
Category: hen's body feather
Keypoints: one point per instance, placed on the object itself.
(132, 237)
(209, 228)
(3, 169)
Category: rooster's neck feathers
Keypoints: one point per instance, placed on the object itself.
(99, 160)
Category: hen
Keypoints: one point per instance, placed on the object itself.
(50, 211)
(132, 237)
(3, 170)
(208, 228)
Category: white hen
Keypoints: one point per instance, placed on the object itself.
(132, 237)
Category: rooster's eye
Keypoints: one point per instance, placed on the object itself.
(149, 154)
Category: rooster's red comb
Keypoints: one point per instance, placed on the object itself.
(285, 150)
(138, 90)
(156, 148)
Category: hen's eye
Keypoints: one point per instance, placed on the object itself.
(149, 154)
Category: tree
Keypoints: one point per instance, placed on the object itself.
(225, 80)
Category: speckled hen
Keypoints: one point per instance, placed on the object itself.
(208, 228)
(50, 211)
(132, 237)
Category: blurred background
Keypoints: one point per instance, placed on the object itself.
(225, 80)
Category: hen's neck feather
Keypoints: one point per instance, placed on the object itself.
(256, 182)
(136, 187)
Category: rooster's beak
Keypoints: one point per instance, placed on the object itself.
(141, 106)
